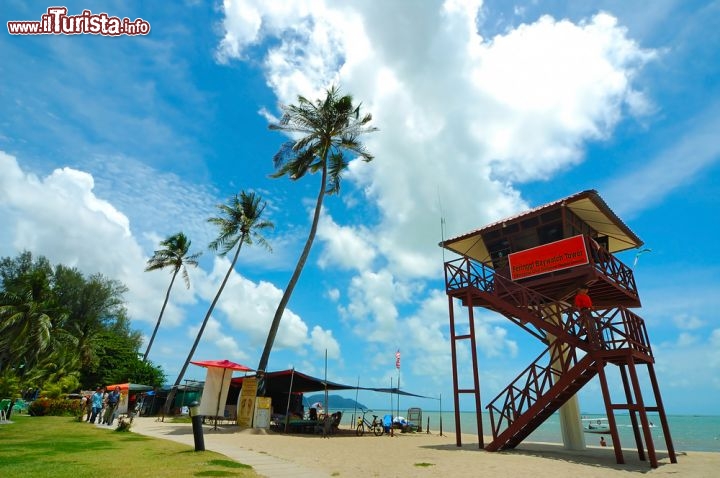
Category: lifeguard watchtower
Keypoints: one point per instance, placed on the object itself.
(528, 269)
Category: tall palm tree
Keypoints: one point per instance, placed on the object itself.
(174, 253)
(239, 223)
(327, 130)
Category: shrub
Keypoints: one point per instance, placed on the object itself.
(123, 425)
(54, 407)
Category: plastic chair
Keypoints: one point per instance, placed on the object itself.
(414, 418)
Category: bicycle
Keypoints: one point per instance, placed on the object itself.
(376, 425)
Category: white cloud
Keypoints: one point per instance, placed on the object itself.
(519, 107)
(688, 361)
(687, 322)
(676, 166)
(322, 341)
(333, 294)
(60, 217)
(248, 308)
(373, 308)
(344, 246)
(460, 119)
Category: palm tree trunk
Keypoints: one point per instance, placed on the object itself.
(291, 285)
(173, 391)
(162, 310)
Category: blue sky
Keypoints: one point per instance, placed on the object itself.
(108, 145)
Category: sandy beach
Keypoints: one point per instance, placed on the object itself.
(418, 454)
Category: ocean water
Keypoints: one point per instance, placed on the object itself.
(688, 432)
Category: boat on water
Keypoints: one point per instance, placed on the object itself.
(596, 425)
(600, 425)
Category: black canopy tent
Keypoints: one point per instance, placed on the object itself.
(279, 383)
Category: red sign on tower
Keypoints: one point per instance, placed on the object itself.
(557, 255)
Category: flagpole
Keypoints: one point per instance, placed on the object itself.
(392, 418)
(326, 387)
(289, 397)
(354, 419)
(398, 395)
(397, 365)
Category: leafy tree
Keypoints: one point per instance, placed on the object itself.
(60, 330)
(26, 302)
(91, 305)
(240, 222)
(119, 362)
(174, 254)
(328, 129)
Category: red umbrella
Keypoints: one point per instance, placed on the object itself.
(223, 364)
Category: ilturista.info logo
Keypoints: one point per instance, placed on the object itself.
(57, 22)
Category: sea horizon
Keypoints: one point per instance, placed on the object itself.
(696, 432)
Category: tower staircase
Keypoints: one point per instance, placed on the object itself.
(578, 347)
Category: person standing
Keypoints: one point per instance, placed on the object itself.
(584, 304)
(582, 299)
(96, 400)
(85, 407)
(113, 400)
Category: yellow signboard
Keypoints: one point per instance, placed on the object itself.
(246, 403)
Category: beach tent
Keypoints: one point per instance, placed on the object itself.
(217, 384)
(126, 390)
(279, 383)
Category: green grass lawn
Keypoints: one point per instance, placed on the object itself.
(59, 447)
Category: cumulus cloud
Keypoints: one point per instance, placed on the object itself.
(322, 341)
(95, 236)
(462, 119)
(348, 247)
(61, 217)
(248, 308)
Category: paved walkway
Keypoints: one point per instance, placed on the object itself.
(219, 442)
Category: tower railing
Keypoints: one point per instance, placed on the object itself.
(533, 386)
(611, 267)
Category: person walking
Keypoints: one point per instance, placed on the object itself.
(96, 400)
(113, 400)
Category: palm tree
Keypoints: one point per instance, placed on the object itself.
(25, 329)
(173, 254)
(239, 223)
(328, 128)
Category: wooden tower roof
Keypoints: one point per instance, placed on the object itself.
(588, 205)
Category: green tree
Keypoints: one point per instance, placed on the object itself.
(25, 329)
(240, 222)
(175, 254)
(26, 309)
(119, 362)
(91, 305)
(328, 129)
(60, 330)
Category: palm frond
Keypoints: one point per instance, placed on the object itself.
(336, 166)
(239, 222)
